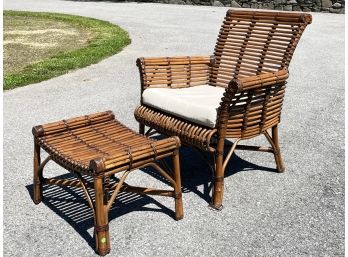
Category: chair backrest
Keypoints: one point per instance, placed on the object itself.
(254, 42)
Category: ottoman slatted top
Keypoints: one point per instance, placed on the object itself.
(94, 148)
(96, 143)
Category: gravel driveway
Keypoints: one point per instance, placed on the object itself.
(297, 213)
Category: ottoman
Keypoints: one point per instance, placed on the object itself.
(94, 148)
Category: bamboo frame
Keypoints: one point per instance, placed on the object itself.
(91, 137)
(250, 60)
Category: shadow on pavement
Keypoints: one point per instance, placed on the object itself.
(196, 172)
(69, 203)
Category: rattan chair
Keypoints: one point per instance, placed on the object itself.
(237, 93)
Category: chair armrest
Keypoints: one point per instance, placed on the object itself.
(258, 81)
(174, 72)
(247, 86)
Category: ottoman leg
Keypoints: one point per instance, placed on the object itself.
(37, 175)
(179, 212)
(101, 226)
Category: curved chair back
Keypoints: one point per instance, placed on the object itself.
(255, 42)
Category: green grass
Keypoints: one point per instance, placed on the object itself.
(106, 39)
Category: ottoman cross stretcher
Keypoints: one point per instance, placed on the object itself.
(94, 148)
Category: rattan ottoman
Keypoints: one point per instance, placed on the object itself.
(94, 148)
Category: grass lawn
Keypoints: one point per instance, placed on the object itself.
(39, 46)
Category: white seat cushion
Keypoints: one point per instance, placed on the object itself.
(197, 104)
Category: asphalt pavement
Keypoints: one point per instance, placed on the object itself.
(297, 213)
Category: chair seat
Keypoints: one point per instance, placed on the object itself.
(197, 104)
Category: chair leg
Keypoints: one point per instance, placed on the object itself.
(179, 212)
(218, 180)
(37, 175)
(101, 222)
(277, 154)
(141, 129)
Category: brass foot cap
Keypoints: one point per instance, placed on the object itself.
(37, 201)
(103, 252)
(179, 217)
(281, 170)
(215, 208)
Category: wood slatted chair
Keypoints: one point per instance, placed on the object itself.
(237, 93)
